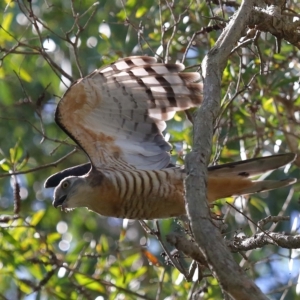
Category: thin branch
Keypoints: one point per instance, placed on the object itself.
(160, 284)
(272, 219)
(167, 252)
(250, 221)
(17, 196)
(188, 247)
(53, 164)
(37, 130)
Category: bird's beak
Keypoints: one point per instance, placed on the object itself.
(59, 202)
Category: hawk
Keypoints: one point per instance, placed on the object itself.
(117, 115)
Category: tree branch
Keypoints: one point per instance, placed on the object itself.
(264, 238)
(273, 21)
(231, 277)
(189, 248)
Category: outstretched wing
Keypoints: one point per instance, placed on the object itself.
(117, 114)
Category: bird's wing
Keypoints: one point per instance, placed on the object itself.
(251, 167)
(117, 114)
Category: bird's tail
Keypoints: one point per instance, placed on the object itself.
(267, 185)
(232, 179)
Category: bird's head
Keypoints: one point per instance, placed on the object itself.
(70, 193)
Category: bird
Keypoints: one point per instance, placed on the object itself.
(117, 115)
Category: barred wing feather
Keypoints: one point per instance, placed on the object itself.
(117, 114)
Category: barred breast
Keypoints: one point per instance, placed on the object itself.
(141, 194)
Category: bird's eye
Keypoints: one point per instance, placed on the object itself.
(65, 184)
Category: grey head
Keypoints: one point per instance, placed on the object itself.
(70, 193)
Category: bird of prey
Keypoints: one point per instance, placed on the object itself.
(117, 115)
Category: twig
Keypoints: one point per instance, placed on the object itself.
(53, 164)
(175, 264)
(167, 252)
(160, 284)
(36, 129)
(239, 211)
(189, 248)
(17, 196)
(272, 219)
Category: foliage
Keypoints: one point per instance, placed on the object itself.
(47, 44)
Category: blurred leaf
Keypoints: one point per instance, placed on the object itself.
(131, 3)
(5, 25)
(122, 234)
(15, 153)
(10, 2)
(103, 36)
(25, 287)
(258, 203)
(121, 15)
(279, 56)
(89, 283)
(268, 105)
(8, 238)
(53, 237)
(37, 217)
(23, 163)
(103, 246)
(177, 118)
(141, 11)
(5, 166)
(24, 75)
(152, 258)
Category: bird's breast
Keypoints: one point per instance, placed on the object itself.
(140, 194)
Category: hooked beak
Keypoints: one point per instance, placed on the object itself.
(59, 202)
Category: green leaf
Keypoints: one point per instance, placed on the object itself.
(24, 287)
(268, 106)
(18, 232)
(22, 164)
(131, 259)
(4, 165)
(8, 239)
(12, 153)
(53, 237)
(24, 75)
(5, 25)
(141, 11)
(16, 152)
(10, 3)
(279, 56)
(92, 284)
(130, 3)
(103, 36)
(121, 15)
(258, 203)
(37, 217)
(103, 245)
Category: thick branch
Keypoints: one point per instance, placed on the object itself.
(261, 239)
(279, 25)
(190, 249)
(231, 277)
